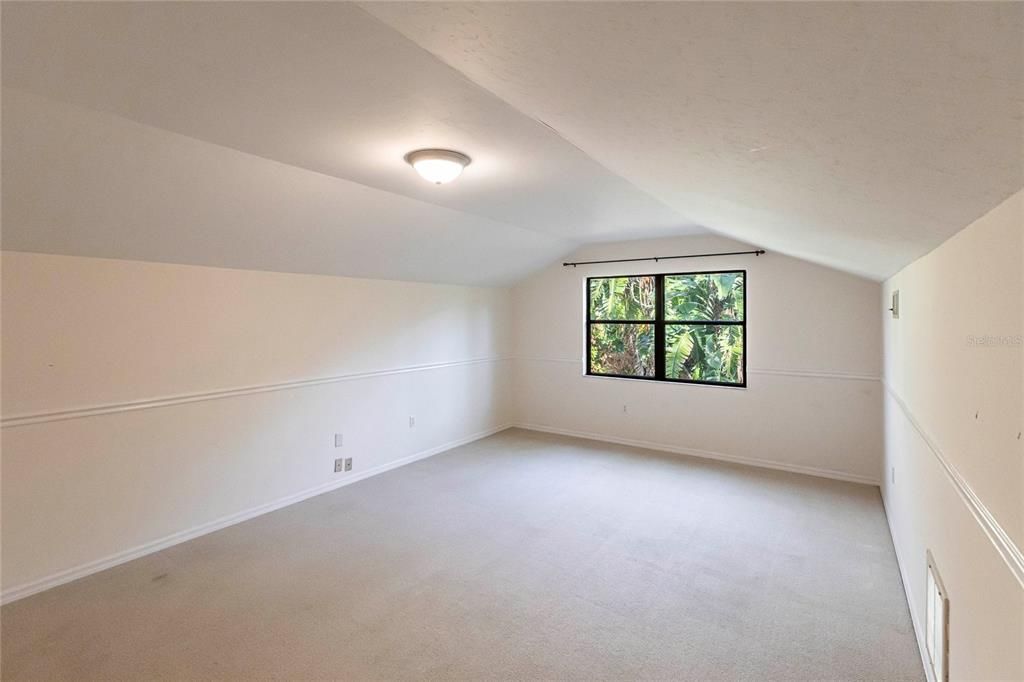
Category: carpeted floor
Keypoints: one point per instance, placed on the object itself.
(521, 556)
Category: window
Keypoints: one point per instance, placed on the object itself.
(688, 327)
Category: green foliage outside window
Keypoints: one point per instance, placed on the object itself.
(700, 329)
(624, 349)
(704, 353)
(709, 297)
(622, 298)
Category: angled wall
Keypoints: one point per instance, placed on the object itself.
(954, 454)
(145, 403)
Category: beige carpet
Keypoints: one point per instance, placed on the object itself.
(520, 556)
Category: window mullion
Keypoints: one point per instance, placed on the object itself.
(659, 327)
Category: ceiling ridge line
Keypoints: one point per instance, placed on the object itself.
(466, 78)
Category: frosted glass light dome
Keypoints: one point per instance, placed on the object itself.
(437, 165)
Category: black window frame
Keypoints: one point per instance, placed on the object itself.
(660, 324)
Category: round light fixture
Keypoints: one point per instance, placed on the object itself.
(437, 165)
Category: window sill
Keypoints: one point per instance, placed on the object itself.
(666, 382)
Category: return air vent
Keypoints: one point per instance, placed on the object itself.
(937, 624)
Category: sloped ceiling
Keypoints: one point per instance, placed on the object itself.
(107, 187)
(323, 88)
(857, 135)
(271, 135)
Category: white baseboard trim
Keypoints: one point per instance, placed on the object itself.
(82, 570)
(707, 454)
(918, 630)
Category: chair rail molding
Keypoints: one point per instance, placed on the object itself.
(1000, 539)
(41, 417)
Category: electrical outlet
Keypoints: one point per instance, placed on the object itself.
(412, 421)
(339, 465)
(348, 464)
(625, 409)
(892, 475)
(339, 440)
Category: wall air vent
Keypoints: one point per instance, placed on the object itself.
(937, 624)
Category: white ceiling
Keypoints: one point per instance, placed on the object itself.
(271, 135)
(86, 183)
(323, 87)
(858, 135)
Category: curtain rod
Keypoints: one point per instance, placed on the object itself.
(758, 252)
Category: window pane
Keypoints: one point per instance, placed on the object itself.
(717, 296)
(622, 298)
(704, 352)
(626, 349)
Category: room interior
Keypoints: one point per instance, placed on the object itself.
(415, 340)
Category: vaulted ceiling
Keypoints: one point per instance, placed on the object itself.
(271, 135)
(858, 135)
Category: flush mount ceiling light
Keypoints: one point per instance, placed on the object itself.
(437, 165)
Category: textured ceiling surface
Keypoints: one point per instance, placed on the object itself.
(323, 87)
(82, 182)
(857, 135)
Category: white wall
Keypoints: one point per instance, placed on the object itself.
(813, 401)
(954, 414)
(95, 337)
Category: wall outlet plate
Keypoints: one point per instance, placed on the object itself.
(348, 464)
(339, 465)
(412, 421)
(339, 440)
